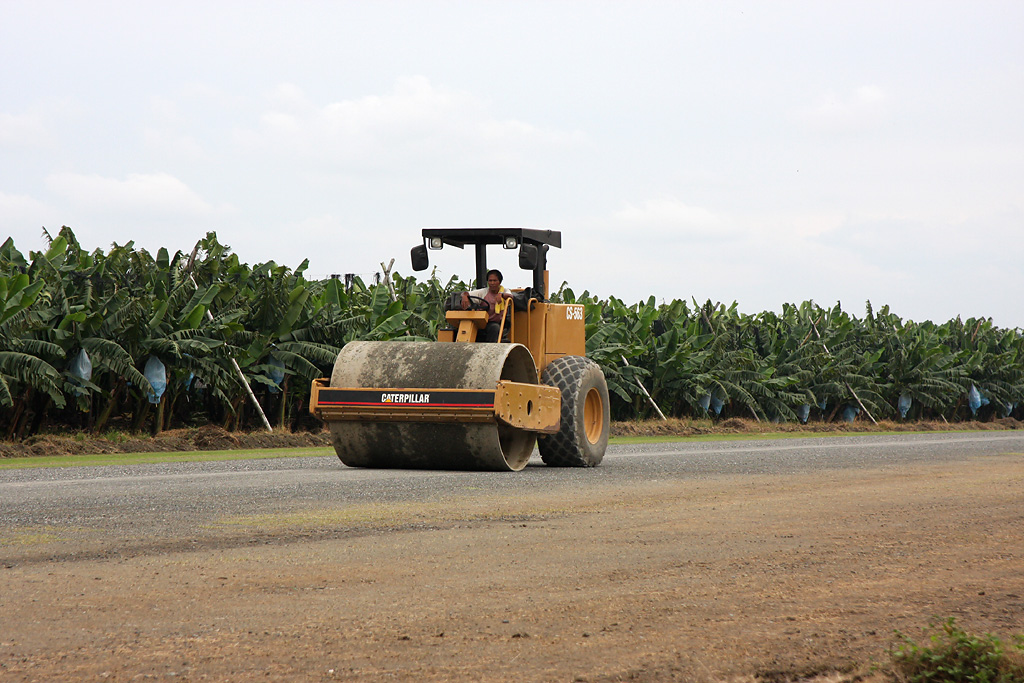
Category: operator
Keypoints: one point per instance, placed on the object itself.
(497, 298)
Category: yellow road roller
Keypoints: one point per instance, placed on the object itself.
(461, 403)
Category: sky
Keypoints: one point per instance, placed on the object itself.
(751, 152)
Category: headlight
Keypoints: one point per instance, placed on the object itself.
(511, 242)
(436, 243)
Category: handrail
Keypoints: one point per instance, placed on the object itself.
(512, 320)
(529, 321)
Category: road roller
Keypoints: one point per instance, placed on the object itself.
(461, 403)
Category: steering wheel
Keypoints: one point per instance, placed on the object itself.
(477, 303)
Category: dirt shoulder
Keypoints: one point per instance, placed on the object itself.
(731, 578)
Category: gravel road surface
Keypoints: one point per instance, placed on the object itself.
(672, 561)
(127, 509)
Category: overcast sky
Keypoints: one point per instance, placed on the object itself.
(757, 152)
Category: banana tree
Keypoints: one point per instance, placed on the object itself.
(24, 366)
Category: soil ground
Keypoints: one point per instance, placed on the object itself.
(730, 578)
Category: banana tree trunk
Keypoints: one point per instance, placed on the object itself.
(283, 403)
(141, 413)
(108, 408)
(19, 414)
(40, 415)
(158, 420)
(172, 405)
(233, 419)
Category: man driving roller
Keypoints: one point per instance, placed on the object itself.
(497, 298)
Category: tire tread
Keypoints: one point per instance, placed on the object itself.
(563, 449)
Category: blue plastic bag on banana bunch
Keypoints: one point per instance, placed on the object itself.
(976, 399)
(276, 373)
(904, 405)
(157, 376)
(81, 368)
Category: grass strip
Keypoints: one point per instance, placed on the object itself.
(761, 436)
(101, 459)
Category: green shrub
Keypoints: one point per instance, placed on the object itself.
(954, 656)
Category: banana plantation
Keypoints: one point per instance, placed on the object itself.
(125, 340)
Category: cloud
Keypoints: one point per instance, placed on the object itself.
(671, 249)
(417, 125)
(316, 238)
(669, 219)
(159, 192)
(669, 213)
(23, 131)
(863, 107)
(183, 127)
(924, 269)
(174, 145)
(23, 215)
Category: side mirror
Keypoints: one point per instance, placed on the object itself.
(420, 260)
(528, 257)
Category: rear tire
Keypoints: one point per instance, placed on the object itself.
(582, 437)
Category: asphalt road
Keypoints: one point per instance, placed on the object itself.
(90, 512)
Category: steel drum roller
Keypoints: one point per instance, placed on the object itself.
(432, 445)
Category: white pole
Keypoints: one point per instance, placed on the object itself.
(234, 363)
(644, 389)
